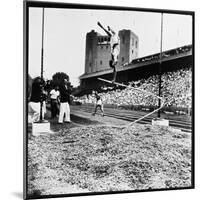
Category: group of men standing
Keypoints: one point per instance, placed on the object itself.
(59, 105)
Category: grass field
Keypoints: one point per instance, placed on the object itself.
(101, 158)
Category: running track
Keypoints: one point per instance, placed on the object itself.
(177, 121)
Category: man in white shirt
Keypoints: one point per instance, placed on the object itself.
(54, 94)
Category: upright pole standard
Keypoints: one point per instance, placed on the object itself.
(160, 66)
(42, 52)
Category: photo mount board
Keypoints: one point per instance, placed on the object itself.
(58, 5)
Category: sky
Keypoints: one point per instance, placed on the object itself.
(65, 36)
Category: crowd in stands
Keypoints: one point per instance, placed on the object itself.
(176, 89)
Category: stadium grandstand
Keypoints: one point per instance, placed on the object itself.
(142, 73)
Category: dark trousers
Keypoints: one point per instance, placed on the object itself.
(100, 107)
(54, 108)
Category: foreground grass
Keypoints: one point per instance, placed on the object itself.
(102, 158)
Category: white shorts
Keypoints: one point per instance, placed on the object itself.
(34, 111)
(115, 52)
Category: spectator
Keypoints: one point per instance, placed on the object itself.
(65, 91)
(37, 95)
(54, 94)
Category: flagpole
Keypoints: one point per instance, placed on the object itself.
(160, 65)
(42, 54)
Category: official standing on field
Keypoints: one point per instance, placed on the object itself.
(54, 95)
(65, 92)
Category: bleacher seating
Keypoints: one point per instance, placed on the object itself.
(176, 89)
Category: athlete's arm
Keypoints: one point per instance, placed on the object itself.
(108, 33)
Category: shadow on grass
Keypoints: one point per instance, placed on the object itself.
(75, 122)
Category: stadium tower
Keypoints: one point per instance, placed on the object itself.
(97, 54)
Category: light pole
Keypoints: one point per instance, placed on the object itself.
(160, 66)
(42, 126)
(42, 54)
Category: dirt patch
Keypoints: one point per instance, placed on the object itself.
(99, 158)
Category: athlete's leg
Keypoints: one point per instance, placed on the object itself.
(115, 53)
(113, 66)
(101, 108)
(114, 56)
(114, 73)
(95, 110)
